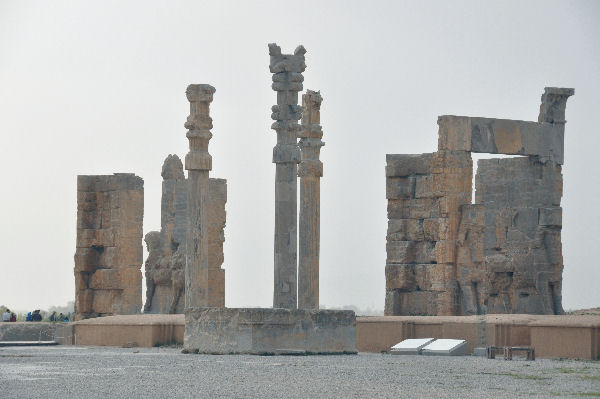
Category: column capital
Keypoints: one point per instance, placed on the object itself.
(310, 135)
(287, 82)
(554, 103)
(199, 124)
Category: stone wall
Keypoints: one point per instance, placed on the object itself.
(108, 257)
(424, 193)
(446, 256)
(166, 249)
(522, 235)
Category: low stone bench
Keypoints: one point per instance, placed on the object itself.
(508, 351)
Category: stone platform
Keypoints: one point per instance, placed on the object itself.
(36, 331)
(266, 331)
(574, 337)
(144, 330)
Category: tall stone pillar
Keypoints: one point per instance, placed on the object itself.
(287, 82)
(310, 172)
(198, 163)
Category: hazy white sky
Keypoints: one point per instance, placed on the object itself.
(99, 87)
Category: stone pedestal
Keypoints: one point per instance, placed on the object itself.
(269, 331)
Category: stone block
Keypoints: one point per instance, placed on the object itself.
(427, 187)
(402, 165)
(103, 301)
(87, 259)
(83, 301)
(411, 252)
(550, 217)
(416, 303)
(414, 277)
(105, 279)
(400, 277)
(269, 331)
(422, 208)
(405, 230)
(454, 133)
(216, 287)
(399, 187)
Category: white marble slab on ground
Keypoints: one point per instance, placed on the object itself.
(411, 346)
(445, 347)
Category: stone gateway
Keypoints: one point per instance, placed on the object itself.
(501, 254)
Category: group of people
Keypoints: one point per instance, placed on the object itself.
(60, 317)
(34, 316)
(9, 316)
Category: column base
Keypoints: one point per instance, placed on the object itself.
(268, 331)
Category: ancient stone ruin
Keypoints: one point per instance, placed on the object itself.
(287, 82)
(165, 265)
(294, 324)
(108, 257)
(501, 254)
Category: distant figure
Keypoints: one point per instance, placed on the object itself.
(61, 317)
(36, 316)
(53, 316)
(66, 320)
(6, 315)
(13, 317)
(28, 317)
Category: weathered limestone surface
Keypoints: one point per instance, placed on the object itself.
(310, 172)
(424, 194)
(446, 256)
(287, 82)
(198, 163)
(521, 241)
(108, 257)
(269, 331)
(166, 249)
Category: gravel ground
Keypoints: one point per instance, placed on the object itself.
(80, 372)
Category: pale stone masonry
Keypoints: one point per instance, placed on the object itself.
(108, 258)
(310, 172)
(447, 256)
(287, 82)
(198, 163)
(166, 260)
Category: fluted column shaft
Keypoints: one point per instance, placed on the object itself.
(287, 82)
(198, 163)
(310, 172)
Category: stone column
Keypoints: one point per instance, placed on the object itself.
(287, 82)
(310, 172)
(198, 163)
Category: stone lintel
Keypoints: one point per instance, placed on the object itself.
(501, 136)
